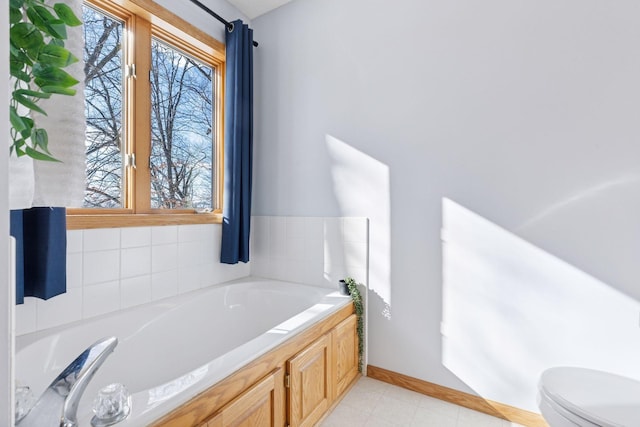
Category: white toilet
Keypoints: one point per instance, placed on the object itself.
(570, 397)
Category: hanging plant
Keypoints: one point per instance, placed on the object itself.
(37, 57)
(352, 286)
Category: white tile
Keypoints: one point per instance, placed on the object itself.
(163, 235)
(59, 310)
(209, 250)
(426, 417)
(394, 411)
(209, 232)
(333, 245)
(135, 291)
(101, 266)
(277, 237)
(376, 421)
(190, 233)
(189, 279)
(131, 237)
(164, 284)
(364, 400)
(260, 236)
(100, 299)
(334, 274)
(355, 254)
(209, 274)
(333, 229)
(74, 270)
(407, 396)
(164, 257)
(296, 227)
(354, 230)
(314, 228)
(345, 416)
(101, 239)
(468, 417)
(74, 241)
(26, 316)
(135, 262)
(381, 404)
(295, 249)
(314, 249)
(189, 254)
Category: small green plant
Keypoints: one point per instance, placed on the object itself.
(357, 304)
(37, 57)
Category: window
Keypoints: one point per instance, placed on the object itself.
(153, 103)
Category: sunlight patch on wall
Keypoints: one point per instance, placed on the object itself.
(511, 310)
(362, 188)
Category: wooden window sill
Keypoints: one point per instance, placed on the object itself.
(85, 221)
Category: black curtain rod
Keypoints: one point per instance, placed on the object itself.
(226, 23)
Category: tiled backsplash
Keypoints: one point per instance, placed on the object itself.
(113, 269)
(310, 250)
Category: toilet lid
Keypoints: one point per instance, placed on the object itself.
(600, 397)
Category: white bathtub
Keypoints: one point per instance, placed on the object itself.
(171, 350)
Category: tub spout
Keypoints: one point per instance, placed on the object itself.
(58, 404)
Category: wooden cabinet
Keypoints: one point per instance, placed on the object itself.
(320, 373)
(310, 389)
(321, 362)
(345, 353)
(260, 406)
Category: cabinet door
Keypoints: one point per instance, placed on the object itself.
(345, 350)
(260, 406)
(310, 385)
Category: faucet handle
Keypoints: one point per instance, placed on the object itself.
(111, 406)
(24, 401)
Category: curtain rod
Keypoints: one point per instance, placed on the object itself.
(226, 23)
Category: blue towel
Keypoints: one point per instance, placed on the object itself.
(41, 252)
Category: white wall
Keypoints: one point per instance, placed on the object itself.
(5, 303)
(522, 112)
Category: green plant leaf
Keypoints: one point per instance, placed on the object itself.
(56, 56)
(26, 132)
(40, 139)
(58, 90)
(26, 36)
(33, 93)
(16, 3)
(37, 155)
(16, 68)
(65, 13)
(57, 29)
(46, 75)
(15, 15)
(18, 147)
(23, 100)
(40, 16)
(20, 56)
(16, 120)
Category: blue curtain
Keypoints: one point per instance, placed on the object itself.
(238, 144)
(41, 252)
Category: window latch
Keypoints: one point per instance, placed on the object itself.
(130, 160)
(131, 70)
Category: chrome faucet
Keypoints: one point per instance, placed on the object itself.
(58, 405)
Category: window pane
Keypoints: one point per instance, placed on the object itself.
(103, 108)
(181, 130)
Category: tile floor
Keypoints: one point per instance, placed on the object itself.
(372, 403)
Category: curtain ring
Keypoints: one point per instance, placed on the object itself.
(230, 27)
